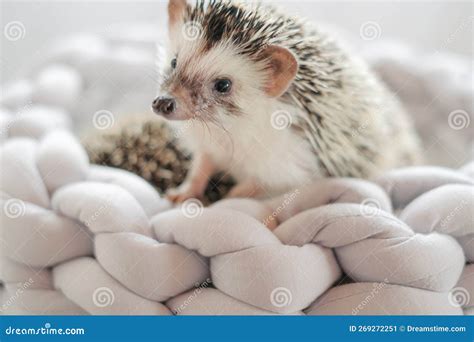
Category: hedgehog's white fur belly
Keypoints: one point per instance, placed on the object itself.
(278, 159)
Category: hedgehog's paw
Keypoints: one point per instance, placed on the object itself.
(184, 192)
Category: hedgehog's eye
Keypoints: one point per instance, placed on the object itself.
(173, 63)
(223, 85)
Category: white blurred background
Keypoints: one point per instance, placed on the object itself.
(430, 26)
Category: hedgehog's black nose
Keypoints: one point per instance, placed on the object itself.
(164, 105)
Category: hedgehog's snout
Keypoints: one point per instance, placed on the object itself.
(164, 105)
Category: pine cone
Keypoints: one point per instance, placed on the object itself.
(148, 148)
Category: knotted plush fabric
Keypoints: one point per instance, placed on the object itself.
(80, 238)
(83, 239)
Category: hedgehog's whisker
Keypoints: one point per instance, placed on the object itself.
(219, 123)
(203, 122)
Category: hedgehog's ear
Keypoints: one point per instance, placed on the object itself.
(176, 10)
(282, 68)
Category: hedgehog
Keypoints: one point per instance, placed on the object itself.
(273, 101)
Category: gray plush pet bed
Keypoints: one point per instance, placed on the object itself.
(86, 239)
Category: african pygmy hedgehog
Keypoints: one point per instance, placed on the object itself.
(273, 101)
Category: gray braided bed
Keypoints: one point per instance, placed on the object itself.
(79, 238)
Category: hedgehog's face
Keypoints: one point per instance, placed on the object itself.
(203, 84)
(206, 81)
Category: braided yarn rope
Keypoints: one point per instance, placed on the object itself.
(80, 238)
